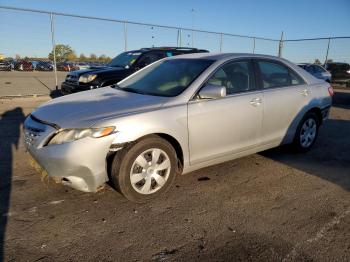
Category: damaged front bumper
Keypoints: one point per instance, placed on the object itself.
(80, 164)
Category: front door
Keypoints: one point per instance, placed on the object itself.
(218, 127)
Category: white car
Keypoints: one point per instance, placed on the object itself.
(82, 65)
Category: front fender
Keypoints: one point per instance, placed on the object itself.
(171, 121)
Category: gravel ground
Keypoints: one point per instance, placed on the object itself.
(271, 206)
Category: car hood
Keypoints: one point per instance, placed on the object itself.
(84, 109)
(102, 69)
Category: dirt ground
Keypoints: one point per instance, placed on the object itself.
(271, 206)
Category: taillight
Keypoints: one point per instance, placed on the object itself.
(330, 91)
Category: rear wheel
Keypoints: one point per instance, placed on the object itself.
(144, 170)
(306, 132)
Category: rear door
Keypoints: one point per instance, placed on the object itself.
(223, 126)
(285, 94)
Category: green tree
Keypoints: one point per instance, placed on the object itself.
(82, 58)
(104, 59)
(93, 58)
(317, 61)
(62, 53)
(72, 57)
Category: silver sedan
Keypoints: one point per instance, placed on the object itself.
(175, 116)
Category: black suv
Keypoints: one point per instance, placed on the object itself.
(340, 72)
(120, 67)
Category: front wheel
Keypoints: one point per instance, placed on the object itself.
(144, 170)
(306, 132)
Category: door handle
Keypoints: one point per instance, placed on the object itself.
(256, 101)
(305, 92)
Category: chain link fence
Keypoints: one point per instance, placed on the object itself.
(317, 50)
(39, 47)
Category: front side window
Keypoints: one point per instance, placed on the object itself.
(235, 76)
(165, 78)
(274, 74)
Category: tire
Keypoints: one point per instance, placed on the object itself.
(306, 133)
(149, 181)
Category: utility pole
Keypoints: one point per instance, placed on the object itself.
(221, 42)
(280, 47)
(253, 45)
(192, 11)
(125, 37)
(53, 48)
(329, 41)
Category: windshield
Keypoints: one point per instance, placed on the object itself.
(124, 59)
(165, 78)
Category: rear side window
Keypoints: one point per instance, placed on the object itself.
(274, 74)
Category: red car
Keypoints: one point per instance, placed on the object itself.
(23, 65)
(66, 67)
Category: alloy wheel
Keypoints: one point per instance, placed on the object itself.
(308, 132)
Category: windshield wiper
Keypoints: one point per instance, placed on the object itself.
(132, 90)
(116, 66)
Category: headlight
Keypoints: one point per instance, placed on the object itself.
(70, 135)
(87, 78)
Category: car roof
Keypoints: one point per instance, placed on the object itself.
(224, 56)
(308, 64)
(337, 63)
(167, 48)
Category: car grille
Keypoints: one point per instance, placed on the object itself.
(35, 132)
(31, 135)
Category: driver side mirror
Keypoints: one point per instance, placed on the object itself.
(212, 92)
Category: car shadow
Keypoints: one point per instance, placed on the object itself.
(341, 99)
(10, 130)
(329, 158)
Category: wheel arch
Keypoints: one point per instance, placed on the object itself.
(177, 146)
(169, 138)
(318, 112)
(290, 134)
